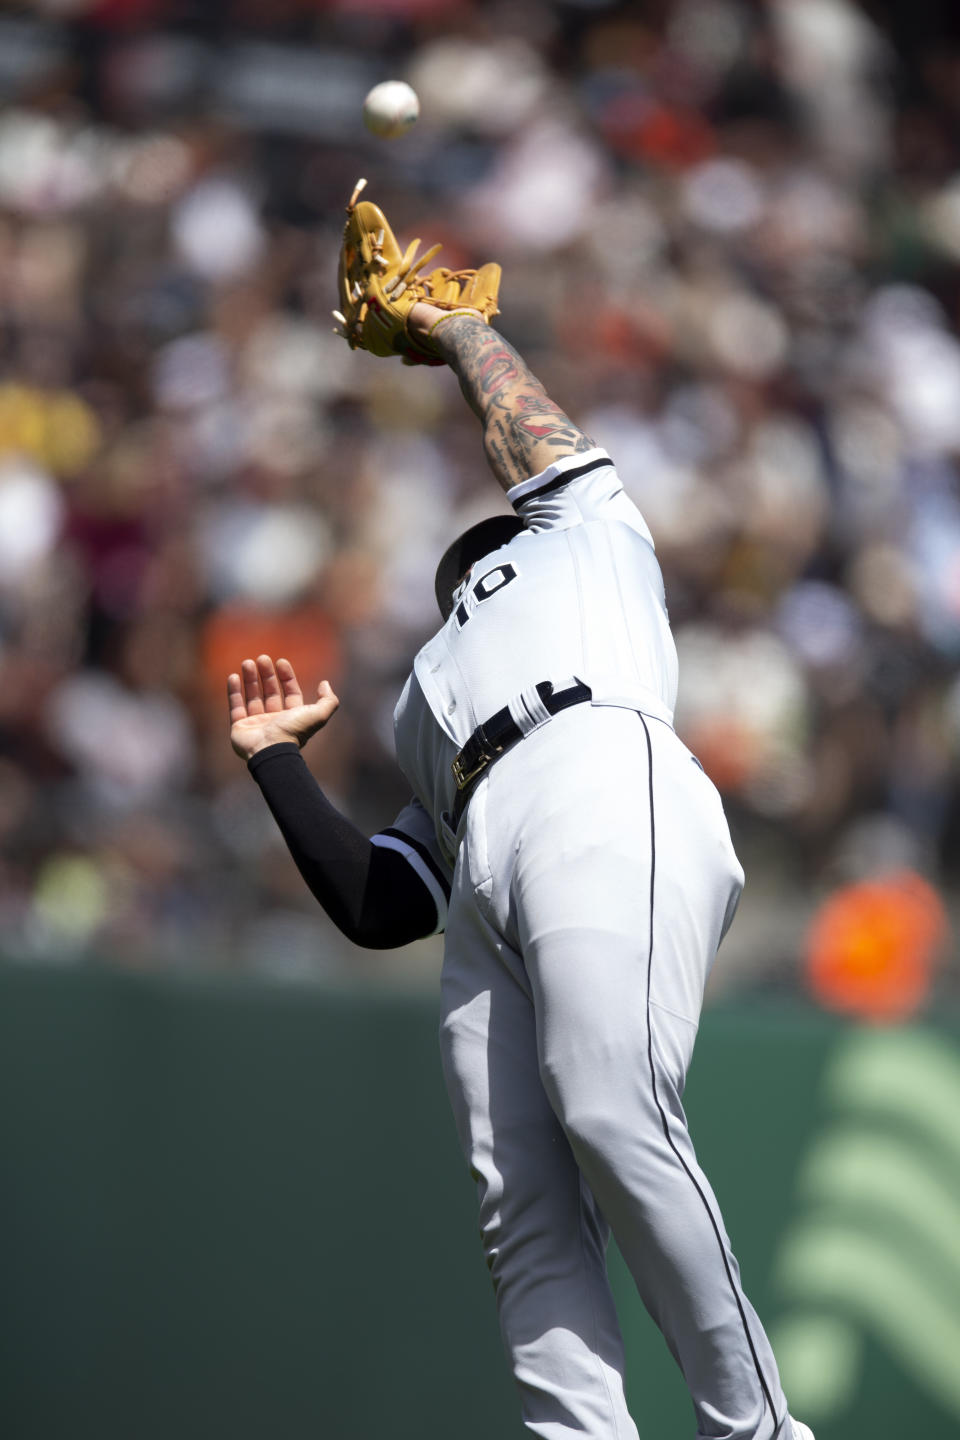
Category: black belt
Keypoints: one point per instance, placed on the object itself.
(494, 736)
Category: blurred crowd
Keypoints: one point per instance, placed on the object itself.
(730, 233)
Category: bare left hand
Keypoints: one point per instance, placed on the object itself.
(267, 707)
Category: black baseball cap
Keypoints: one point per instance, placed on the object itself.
(470, 547)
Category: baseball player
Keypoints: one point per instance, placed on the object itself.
(579, 862)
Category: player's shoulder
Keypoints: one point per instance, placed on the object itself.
(577, 489)
(569, 473)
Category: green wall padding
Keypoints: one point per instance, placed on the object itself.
(236, 1209)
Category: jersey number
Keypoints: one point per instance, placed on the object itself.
(488, 585)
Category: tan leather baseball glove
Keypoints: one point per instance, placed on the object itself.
(379, 285)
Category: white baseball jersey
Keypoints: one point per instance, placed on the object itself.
(577, 595)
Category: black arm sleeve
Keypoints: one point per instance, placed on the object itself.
(369, 892)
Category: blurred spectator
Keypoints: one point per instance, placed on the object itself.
(872, 947)
(730, 236)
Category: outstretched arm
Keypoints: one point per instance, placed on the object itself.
(523, 430)
(370, 892)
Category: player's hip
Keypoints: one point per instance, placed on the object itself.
(599, 837)
(588, 791)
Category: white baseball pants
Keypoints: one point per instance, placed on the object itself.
(593, 883)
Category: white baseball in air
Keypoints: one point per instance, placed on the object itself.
(390, 109)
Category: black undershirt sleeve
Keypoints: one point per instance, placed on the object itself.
(369, 891)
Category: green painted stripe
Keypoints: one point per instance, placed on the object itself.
(860, 1277)
(912, 1075)
(883, 1178)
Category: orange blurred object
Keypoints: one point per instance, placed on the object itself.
(872, 947)
(726, 748)
(659, 134)
(304, 635)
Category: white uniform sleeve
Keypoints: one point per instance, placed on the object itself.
(413, 836)
(573, 490)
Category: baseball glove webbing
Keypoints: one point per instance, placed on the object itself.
(379, 284)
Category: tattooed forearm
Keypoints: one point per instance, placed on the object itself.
(492, 372)
(485, 364)
(523, 430)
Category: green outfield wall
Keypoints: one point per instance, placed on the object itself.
(238, 1210)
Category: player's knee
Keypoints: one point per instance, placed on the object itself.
(598, 1129)
(590, 1086)
(592, 1130)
